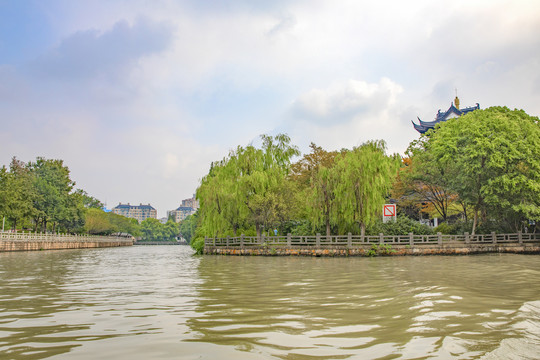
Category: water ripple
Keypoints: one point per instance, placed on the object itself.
(160, 302)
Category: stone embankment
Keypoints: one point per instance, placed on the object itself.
(33, 241)
(379, 245)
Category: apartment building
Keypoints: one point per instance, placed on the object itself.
(188, 207)
(140, 212)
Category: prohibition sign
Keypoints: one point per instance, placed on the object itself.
(389, 210)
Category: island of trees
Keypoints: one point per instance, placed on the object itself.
(477, 173)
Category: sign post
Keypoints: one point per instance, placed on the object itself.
(389, 213)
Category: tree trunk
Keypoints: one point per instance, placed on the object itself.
(328, 227)
(475, 221)
(258, 229)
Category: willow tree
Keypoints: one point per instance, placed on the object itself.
(221, 206)
(246, 188)
(494, 157)
(263, 178)
(362, 179)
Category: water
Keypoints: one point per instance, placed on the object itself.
(159, 302)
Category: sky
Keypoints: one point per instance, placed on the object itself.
(138, 97)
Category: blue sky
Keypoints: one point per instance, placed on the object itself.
(138, 97)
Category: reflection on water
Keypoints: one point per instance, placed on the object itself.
(160, 302)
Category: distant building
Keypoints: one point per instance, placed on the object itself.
(192, 203)
(188, 207)
(453, 112)
(140, 212)
(181, 213)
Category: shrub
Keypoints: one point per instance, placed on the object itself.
(402, 226)
(198, 245)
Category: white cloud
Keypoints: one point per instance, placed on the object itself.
(342, 102)
(146, 94)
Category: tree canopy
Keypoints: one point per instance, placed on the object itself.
(491, 160)
(247, 188)
(260, 189)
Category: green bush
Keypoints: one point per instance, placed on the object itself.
(402, 226)
(445, 228)
(198, 245)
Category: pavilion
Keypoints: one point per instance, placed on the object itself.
(453, 112)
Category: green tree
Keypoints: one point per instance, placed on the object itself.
(17, 193)
(264, 172)
(493, 160)
(246, 187)
(98, 222)
(430, 179)
(88, 201)
(153, 230)
(314, 174)
(54, 201)
(171, 230)
(188, 226)
(220, 201)
(124, 225)
(362, 179)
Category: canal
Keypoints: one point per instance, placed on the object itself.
(160, 302)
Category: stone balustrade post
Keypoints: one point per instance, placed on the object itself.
(439, 238)
(289, 240)
(520, 237)
(494, 237)
(411, 239)
(467, 238)
(318, 240)
(349, 239)
(242, 240)
(381, 238)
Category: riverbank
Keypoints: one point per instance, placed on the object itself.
(36, 242)
(397, 250)
(380, 245)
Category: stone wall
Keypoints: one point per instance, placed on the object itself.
(397, 250)
(30, 245)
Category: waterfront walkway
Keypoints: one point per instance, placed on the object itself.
(41, 241)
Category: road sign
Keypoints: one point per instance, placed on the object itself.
(389, 212)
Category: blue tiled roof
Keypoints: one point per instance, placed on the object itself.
(146, 207)
(128, 206)
(184, 208)
(122, 206)
(424, 126)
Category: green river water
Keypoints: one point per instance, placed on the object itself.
(160, 302)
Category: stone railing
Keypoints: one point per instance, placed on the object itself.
(22, 236)
(20, 241)
(381, 239)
